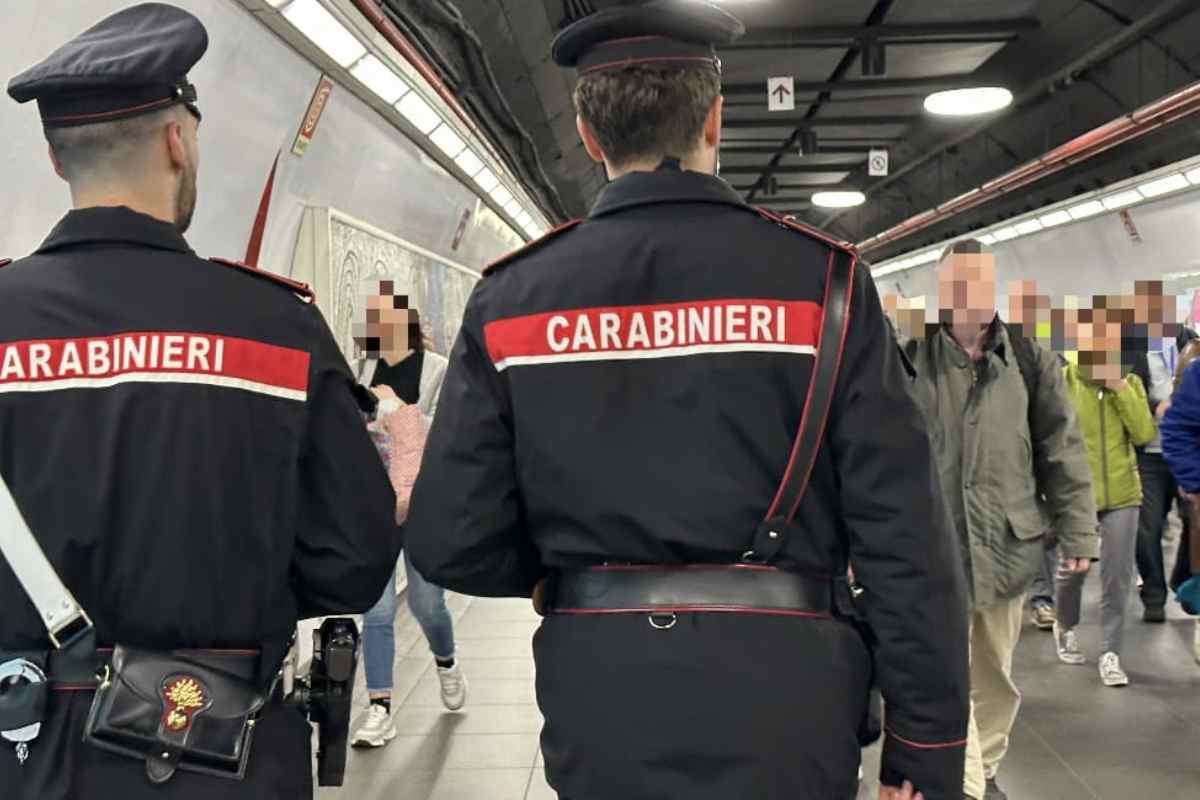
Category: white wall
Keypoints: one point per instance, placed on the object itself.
(254, 90)
(1094, 256)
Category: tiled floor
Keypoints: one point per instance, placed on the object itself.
(1075, 739)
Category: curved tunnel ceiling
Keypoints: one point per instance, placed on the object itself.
(1121, 54)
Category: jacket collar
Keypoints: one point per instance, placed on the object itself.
(996, 341)
(112, 225)
(667, 184)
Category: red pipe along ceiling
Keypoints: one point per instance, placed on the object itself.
(1151, 117)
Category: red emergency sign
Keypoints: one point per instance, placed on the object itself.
(655, 331)
(195, 358)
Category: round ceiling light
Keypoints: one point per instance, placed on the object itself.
(839, 199)
(967, 102)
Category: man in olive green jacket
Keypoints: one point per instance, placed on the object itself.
(1007, 486)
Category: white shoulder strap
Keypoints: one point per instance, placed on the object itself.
(55, 604)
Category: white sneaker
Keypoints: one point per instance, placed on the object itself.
(1111, 672)
(377, 730)
(1068, 646)
(454, 686)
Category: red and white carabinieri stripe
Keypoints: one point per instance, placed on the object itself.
(667, 330)
(160, 357)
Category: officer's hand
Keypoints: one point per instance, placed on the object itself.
(1162, 409)
(384, 392)
(905, 792)
(1074, 566)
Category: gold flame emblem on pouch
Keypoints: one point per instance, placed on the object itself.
(185, 696)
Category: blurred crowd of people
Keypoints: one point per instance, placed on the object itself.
(1089, 472)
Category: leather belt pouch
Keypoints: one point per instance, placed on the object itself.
(745, 588)
(175, 713)
(23, 689)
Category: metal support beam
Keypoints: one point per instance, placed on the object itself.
(798, 169)
(833, 36)
(866, 84)
(1166, 12)
(817, 122)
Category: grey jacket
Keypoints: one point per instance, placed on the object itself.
(1006, 486)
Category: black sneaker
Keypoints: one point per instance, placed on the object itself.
(993, 791)
(1154, 614)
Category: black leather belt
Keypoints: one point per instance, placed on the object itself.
(699, 588)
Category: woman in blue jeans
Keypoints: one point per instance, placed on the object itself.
(395, 372)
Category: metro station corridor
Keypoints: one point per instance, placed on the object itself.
(1074, 739)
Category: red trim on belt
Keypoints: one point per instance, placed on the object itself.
(919, 746)
(771, 612)
(702, 568)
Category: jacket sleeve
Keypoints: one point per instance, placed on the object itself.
(405, 427)
(1135, 413)
(347, 540)
(466, 528)
(1060, 462)
(905, 555)
(1181, 431)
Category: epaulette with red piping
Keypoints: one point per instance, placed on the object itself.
(4, 262)
(530, 247)
(808, 230)
(302, 290)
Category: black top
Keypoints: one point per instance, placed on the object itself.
(629, 391)
(132, 62)
(404, 377)
(183, 440)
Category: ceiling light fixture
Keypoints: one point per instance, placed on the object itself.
(418, 112)
(322, 28)
(1028, 226)
(1171, 183)
(839, 199)
(447, 140)
(987, 239)
(469, 163)
(487, 180)
(1089, 209)
(1121, 199)
(1054, 218)
(1004, 234)
(380, 79)
(968, 102)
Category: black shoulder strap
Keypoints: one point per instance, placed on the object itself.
(1027, 363)
(771, 535)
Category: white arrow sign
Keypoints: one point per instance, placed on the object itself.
(781, 94)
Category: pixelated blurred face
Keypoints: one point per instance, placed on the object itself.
(1154, 312)
(1099, 336)
(967, 289)
(384, 331)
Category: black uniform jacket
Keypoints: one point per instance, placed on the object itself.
(183, 441)
(628, 390)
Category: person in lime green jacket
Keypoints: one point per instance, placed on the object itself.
(1114, 418)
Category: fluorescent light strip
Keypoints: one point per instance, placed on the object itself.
(1028, 226)
(1054, 218)
(986, 238)
(1084, 210)
(380, 79)
(418, 112)
(322, 28)
(469, 163)
(501, 195)
(487, 180)
(1160, 186)
(1004, 234)
(512, 207)
(1121, 199)
(447, 140)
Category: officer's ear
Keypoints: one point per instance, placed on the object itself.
(590, 142)
(177, 148)
(712, 123)
(58, 167)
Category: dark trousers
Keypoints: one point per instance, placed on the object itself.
(720, 706)
(1158, 492)
(62, 767)
(1183, 559)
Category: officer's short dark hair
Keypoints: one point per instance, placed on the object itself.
(84, 149)
(642, 112)
(964, 247)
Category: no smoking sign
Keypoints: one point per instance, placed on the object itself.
(877, 163)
